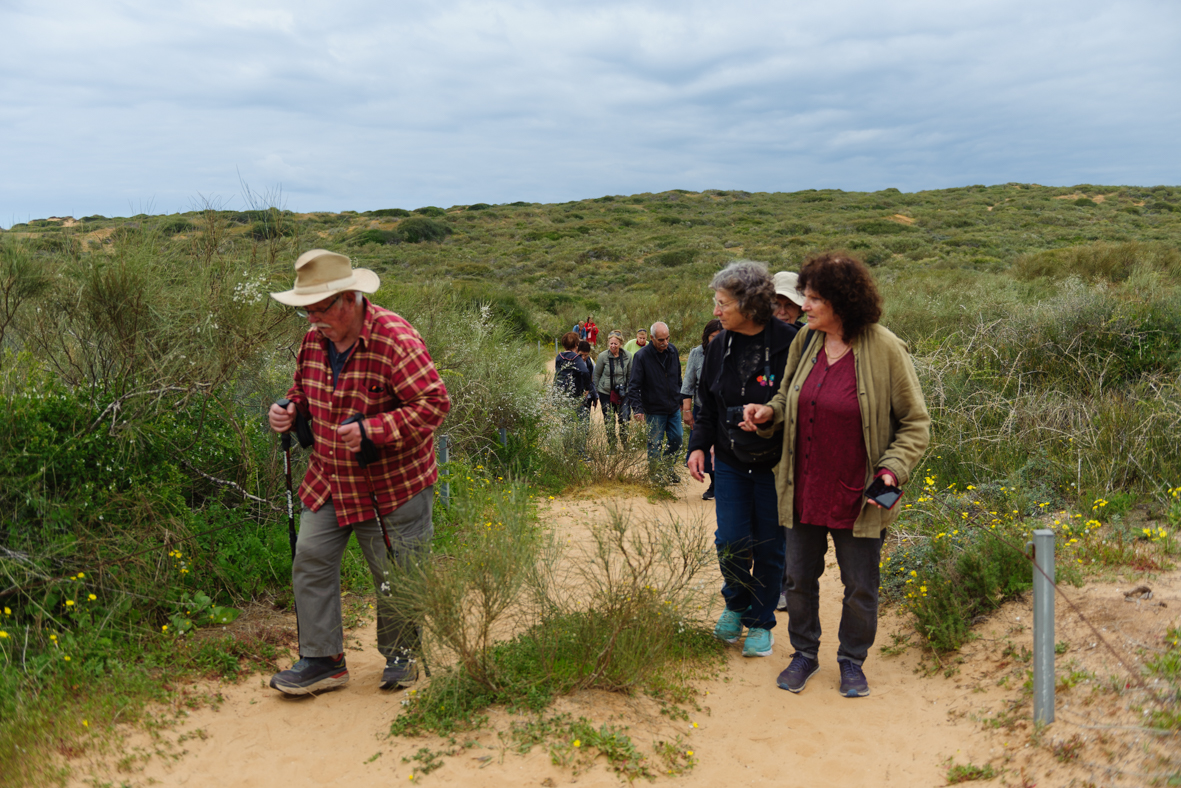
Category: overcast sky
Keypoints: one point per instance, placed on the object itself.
(118, 108)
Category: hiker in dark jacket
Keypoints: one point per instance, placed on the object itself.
(654, 394)
(572, 380)
(743, 364)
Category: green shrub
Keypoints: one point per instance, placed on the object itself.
(175, 225)
(596, 253)
(675, 258)
(416, 230)
(881, 227)
(380, 237)
(269, 229)
(634, 613)
(430, 210)
(1113, 262)
(396, 212)
(951, 576)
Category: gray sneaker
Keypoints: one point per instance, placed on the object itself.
(853, 683)
(399, 672)
(795, 676)
(311, 675)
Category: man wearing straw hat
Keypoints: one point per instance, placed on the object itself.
(357, 358)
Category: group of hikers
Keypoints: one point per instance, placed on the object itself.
(807, 430)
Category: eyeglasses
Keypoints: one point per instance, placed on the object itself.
(305, 312)
(723, 304)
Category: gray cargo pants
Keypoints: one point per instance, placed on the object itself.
(315, 574)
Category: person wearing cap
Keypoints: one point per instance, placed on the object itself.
(789, 300)
(357, 358)
(789, 307)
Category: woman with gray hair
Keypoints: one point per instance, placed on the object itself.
(742, 365)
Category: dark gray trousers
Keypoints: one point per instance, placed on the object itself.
(315, 574)
(858, 560)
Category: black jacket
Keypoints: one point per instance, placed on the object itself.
(571, 377)
(655, 383)
(720, 388)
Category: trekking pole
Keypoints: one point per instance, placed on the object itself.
(357, 418)
(291, 535)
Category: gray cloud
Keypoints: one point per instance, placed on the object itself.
(361, 104)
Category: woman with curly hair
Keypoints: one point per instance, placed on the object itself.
(851, 411)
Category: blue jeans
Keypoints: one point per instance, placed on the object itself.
(660, 427)
(750, 542)
(858, 560)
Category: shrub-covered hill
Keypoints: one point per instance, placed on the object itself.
(563, 259)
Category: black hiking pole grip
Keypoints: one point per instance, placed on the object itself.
(285, 440)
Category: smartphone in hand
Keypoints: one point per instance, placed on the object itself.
(883, 494)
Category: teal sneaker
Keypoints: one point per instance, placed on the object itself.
(729, 626)
(758, 643)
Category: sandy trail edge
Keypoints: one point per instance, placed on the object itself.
(748, 732)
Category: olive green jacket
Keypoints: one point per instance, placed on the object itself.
(894, 417)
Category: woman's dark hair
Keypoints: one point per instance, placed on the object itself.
(846, 283)
(569, 340)
(710, 327)
(583, 346)
(752, 287)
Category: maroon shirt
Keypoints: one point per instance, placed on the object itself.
(830, 449)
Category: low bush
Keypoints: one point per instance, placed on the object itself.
(672, 259)
(416, 230)
(1114, 262)
(380, 237)
(632, 605)
(175, 225)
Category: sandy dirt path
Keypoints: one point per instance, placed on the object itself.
(748, 731)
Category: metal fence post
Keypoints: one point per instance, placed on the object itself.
(444, 458)
(503, 437)
(1043, 626)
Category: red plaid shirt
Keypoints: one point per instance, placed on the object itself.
(389, 377)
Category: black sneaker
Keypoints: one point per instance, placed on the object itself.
(708, 495)
(399, 672)
(795, 676)
(312, 674)
(853, 683)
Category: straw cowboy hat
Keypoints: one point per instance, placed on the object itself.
(786, 285)
(321, 274)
